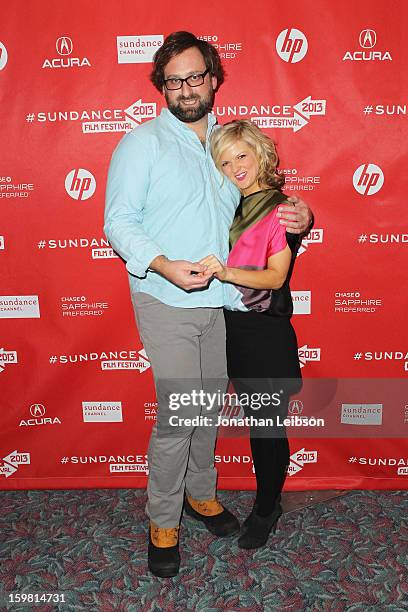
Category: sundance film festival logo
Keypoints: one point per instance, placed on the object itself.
(284, 117)
(142, 364)
(99, 247)
(315, 236)
(116, 463)
(397, 356)
(385, 110)
(383, 239)
(401, 463)
(368, 179)
(132, 116)
(80, 184)
(299, 459)
(101, 120)
(138, 49)
(307, 354)
(3, 56)
(367, 41)
(129, 467)
(109, 360)
(64, 47)
(7, 357)
(291, 45)
(12, 462)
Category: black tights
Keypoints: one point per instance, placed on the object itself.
(271, 459)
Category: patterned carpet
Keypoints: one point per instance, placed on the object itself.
(347, 553)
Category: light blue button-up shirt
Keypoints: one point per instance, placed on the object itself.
(165, 196)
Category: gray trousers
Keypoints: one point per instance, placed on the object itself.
(186, 349)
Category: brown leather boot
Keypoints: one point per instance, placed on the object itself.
(163, 552)
(218, 520)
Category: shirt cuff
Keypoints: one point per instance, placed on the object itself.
(138, 264)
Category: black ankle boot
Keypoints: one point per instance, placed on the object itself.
(256, 529)
(253, 511)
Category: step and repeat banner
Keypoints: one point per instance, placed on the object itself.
(329, 85)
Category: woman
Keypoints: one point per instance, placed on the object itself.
(262, 350)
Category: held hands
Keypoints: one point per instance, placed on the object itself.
(184, 274)
(295, 216)
(214, 267)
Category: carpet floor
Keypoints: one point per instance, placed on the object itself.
(348, 552)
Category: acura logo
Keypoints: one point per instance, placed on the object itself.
(64, 45)
(368, 39)
(37, 410)
(295, 407)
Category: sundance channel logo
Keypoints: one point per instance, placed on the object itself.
(302, 302)
(102, 412)
(138, 49)
(361, 414)
(19, 307)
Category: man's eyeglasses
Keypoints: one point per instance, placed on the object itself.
(193, 80)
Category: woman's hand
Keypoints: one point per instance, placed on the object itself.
(214, 266)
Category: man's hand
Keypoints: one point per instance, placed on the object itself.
(179, 272)
(214, 266)
(296, 216)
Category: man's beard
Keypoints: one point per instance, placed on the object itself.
(190, 115)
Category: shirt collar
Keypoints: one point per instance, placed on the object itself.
(171, 119)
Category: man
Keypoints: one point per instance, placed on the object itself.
(166, 208)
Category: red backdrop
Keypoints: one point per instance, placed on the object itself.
(327, 83)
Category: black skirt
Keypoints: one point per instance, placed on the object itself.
(260, 346)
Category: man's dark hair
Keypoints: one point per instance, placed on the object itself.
(176, 43)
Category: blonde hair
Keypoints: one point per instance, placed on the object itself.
(262, 145)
